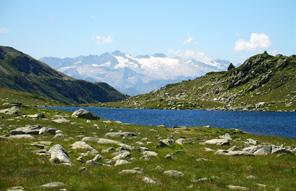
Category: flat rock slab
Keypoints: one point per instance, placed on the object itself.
(21, 137)
(16, 188)
(120, 134)
(135, 170)
(11, 111)
(121, 162)
(84, 114)
(28, 129)
(108, 141)
(53, 185)
(217, 142)
(59, 152)
(174, 173)
(150, 153)
(61, 120)
(149, 180)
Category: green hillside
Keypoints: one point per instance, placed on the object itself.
(21, 72)
(263, 82)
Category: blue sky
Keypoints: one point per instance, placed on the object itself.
(230, 29)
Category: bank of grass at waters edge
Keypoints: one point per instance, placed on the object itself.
(19, 166)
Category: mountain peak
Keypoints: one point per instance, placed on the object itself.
(118, 53)
(159, 55)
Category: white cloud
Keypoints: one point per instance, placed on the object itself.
(103, 39)
(257, 42)
(4, 30)
(188, 40)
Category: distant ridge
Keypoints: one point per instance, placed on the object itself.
(21, 72)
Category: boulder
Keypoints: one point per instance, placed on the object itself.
(264, 150)
(90, 139)
(84, 114)
(150, 153)
(251, 141)
(220, 142)
(173, 173)
(180, 141)
(108, 141)
(61, 119)
(59, 152)
(37, 115)
(122, 155)
(47, 130)
(119, 134)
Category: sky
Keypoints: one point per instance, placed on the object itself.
(231, 30)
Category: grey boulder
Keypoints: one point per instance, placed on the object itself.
(84, 114)
(57, 151)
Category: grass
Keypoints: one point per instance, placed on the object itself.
(20, 166)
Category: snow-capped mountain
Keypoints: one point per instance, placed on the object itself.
(134, 75)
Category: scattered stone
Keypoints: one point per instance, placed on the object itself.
(59, 136)
(121, 162)
(200, 180)
(149, 180)
(202, 159)
(53, 185)
(81, 145)
(251, 141)
(28, 129)
(150, 153)
(145, 157)
(93, 163)
(165, 142)
(173, 173)
(82, 169)
(135, 170)
(264, 150)
(169, 156)
(21, 137)
(220, 142)
(47, 130)
(159, 168)
(59, 152)
(37, 115)
(11, 111)
(61, 119)
(80, 159)
(122, 155)
(108, 141)
(180, 141)
(97, 157)
(120, 134)
(84, 114)
(90, 139)
(250, 177)
(139, 143)
(233, 187)
(16, 188)
(226, 136)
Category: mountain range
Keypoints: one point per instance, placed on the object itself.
(134, 75)
(21, 72)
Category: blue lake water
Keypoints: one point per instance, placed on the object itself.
(280, 124)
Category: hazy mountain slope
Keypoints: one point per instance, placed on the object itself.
(19, 71)
(263, 82)
(134, 75)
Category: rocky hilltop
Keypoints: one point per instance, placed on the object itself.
(262, 82)
(21, 72)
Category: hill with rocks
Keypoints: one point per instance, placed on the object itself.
(19, 71)
(262, 82)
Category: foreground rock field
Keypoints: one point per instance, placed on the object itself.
(55, 150)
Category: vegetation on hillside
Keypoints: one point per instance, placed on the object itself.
(263, 82)
(21, 72)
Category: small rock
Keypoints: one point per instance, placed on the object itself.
(81, 145)
(169, 156)
(59, 152)
(250, 177)
(226, 136)
(173, 173)
(16, 188)
(82, 169)
(59, 136)
(120, 134)
(220, 142)
(61, 119)
(149, 180)
(97, 157)
(150, 153)
(53, 185)
(159, 168)
(135, 170)
(145, 157)
(180, 141)
(21, 137)
(121, 162)
(93, 163)
(233, 187)
(80, 159)
(165, 143)
(251, 141)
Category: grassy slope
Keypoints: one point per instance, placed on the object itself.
(19, 71)
(13, 96)
(19, 166)
(262, 78)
